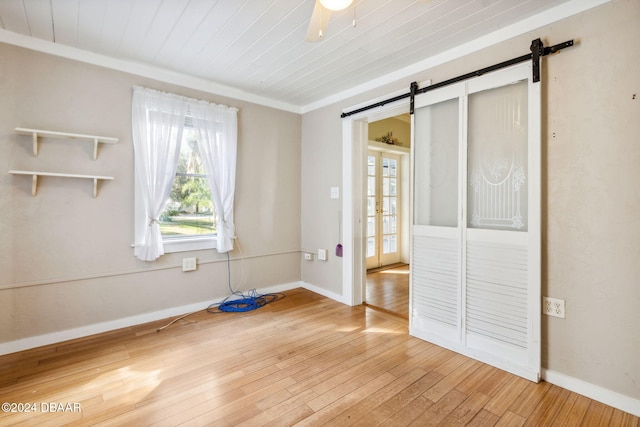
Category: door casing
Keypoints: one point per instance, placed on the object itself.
(354, 157)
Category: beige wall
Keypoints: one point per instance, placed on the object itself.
(66, 260)
(592, 186)
(591, 176)
(321, 170)
(399, 126)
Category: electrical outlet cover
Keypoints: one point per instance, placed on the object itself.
(553, 307)
(189, 264)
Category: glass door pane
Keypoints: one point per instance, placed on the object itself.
(389, 204)
(436, 164)
(497, 158)
(371, 206)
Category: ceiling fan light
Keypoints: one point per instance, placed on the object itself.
(336, 4)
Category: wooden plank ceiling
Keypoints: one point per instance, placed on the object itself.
(259, 45)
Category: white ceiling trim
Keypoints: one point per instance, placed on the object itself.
(144, 70)
(547, 17)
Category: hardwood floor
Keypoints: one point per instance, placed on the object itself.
(388, 290)
(304, 360)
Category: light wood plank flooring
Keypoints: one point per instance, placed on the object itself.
(388, 290)
(304, 360)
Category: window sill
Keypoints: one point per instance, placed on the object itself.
(183, 244)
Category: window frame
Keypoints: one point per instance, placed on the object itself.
(156, 149)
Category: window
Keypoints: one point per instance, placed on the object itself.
(185, 163)
(189, 210)
(188, 220)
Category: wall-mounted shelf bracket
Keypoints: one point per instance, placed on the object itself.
(36, 174)
(36, 133)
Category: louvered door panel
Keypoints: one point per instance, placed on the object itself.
(496, 298)
(436, 279)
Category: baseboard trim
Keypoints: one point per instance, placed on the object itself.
(323, 292)
(592, 391)
(97, 328)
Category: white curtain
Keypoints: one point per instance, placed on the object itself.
(157, 124)
(217, 130)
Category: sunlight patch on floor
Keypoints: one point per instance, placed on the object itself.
(139, 383)
(394, 272)
(376, 330)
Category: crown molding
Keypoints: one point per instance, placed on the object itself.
(139, 69)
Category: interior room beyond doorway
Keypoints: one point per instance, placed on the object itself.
(388, 289)
(387, 206)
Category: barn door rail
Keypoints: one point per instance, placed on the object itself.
(537, 48)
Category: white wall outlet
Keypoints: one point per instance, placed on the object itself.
(553, 307)
(335, 192)
(308, 256)
(189, 264)
(322, 254)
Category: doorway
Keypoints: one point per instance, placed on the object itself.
(386, 194)
(355, 137)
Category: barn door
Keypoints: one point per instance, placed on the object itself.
(475, 279)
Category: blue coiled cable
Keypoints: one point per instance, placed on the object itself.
(244, 303)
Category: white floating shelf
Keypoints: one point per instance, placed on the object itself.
(35, 133)
(36, 174)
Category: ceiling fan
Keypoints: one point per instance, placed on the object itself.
(322, 14)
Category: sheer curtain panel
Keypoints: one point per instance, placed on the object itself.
(157, 124)
(217, 130)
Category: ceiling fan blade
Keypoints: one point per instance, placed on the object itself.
(318, 23)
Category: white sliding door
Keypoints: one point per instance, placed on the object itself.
(475, 280)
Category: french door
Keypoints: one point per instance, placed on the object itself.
(475, 262)
(383, 203)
